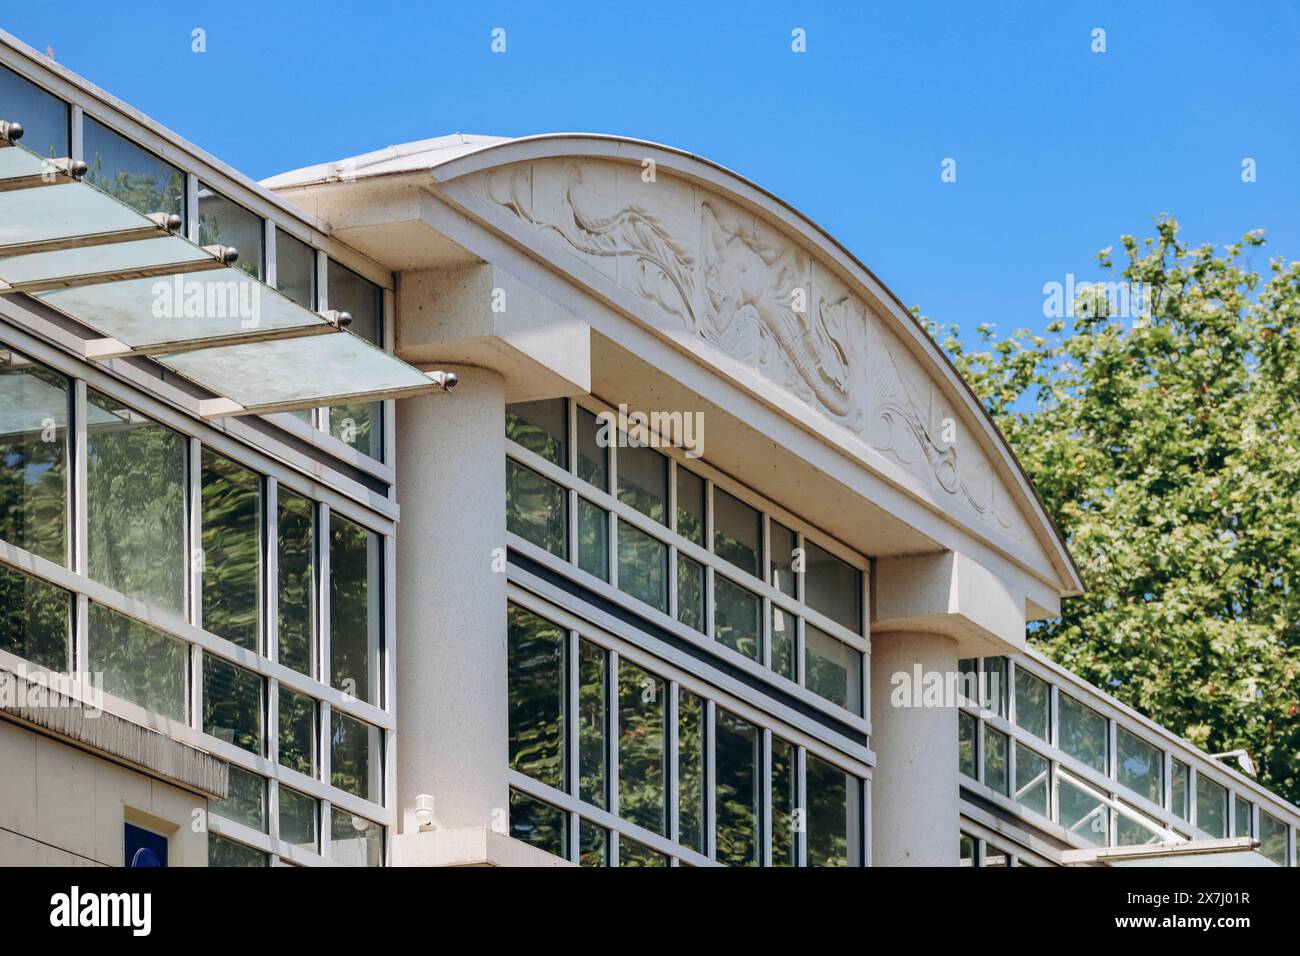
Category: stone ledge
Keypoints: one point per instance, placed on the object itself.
(471, 846)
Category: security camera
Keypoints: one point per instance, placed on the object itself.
(424, 811)
(444, 380)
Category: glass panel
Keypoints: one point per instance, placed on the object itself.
(643, 481)
(296, 532)
(228, 853)
(535, 508)
(1033, 701)
(642, 753)
(737, 791)
(737, 532)
(738, 618)
(690, 506)
(33, 457)
(642, 566)
(1211, 807)
(232, 550)
(1178, 792)
(73, 209)
(356, 841)
(356, 587)
(1032, 772)
(784, 642)
(631, 853)
(34, 619)
(593, 539)
(1131, 832)
(593, 450)
(995, 759)
(994, 688)
(539, 427)
(834, 815)
(139, 664)
(1141, 766)
(592, 722)
(966, 745)
(833, 587)
(593, 844)
(690, 592)
(226, 223)
(44, 116)
(298, 731)
(1272, 838)
(1242, 817)
(966, 851)
(233, 708)
(136, 503)
(538, 823)
(832, 669)
(135, 176)
(245, 800)
(783, 556)
(969, 689)
(785, 797)
(298, 815)
(535, 658)
(355, 749)
(1083, 814)
(295, 269)
(1083, 733)
(359, 424)
(105, 260)
(690, 771)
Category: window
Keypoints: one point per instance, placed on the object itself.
(535, 656)
(295, 269)
(226, 223)
(833, 587)
(228, 853)
(233, 705)
(44, 116)
(784, 642)
(1272, 838)
(143, 848)
(994, 689)
(356, 621)
(785, 798)
(737, 791)
(535, 509)
(995, 759)
(1140, 765)
(356, 840)
(832, 669)
(690, 592)
(593, 449)
(737, 532)
(966, 724)
(359, 425)
(538, 823)
(1083, 733)
(1032, 772)
(298, 819)
(783, 558)
(834, 815)
(232, 562)
(298, 716)
(966, 850)
(132, 174)
(1178, 792)
(136, 503)
(643, 480)
(245, 800)
(33, 454)
(1033, 702)
(296, 533)
(690, 771)
(34, 619)
(593, 539)
(738, 622)
(1242, 817)
(1135, 830)
(1083, 813)
(642, 750)
(642, 566)
(355, 749)
(1211, 807)
(539, 427)
(690, 506)
(593, 718)
(593, 844)
(141, 665)
(631, 853)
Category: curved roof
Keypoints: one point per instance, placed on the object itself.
(445, 158)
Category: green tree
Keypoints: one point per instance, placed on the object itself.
(1167, 447)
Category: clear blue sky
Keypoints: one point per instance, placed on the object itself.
(1059, 150)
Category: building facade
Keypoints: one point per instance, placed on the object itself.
(549, 501)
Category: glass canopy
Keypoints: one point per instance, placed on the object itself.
(139, 288)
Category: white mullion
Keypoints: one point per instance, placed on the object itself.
(320, 416)
(388, 414)
(77, 132)
(326, 812)
(272, 277)
(197, 556)
(611, 720)
(611, 847)
(673, 749)
(321, 541)
(388, 667)
(710, 771)
(765, 800)
(574, 825)
(270, 577)
(79, 527)
(572, 771)
(801, 832)
(191, 210)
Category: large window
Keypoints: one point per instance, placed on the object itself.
(33, 457)
(355, 608)
(834, 815)
(232, 549)
(296, 567)
(360, 424)
(1141, 765)
(226, 223)
(535, 655)
(355, 757)
(1084, 733)
(33, 619)
(234, 702)
(736, 793)
(139, 664)
(132, 174)
(44, 117)
(642, 748)
(1211, 806)
(295, 269)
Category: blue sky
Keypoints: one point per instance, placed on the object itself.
(1059, 150)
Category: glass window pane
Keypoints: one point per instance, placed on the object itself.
(1033, 700)
(298, 819)
(783, 546)
(642, 566)
(737, 791)
(358, 424)
(1032, 772)
(690, 770)
(33, 456)
(643, 481)
(1178, 793)
(642, 753)
(592, 722)
(1084, 733)
(966, 851)
(296, 533)
(245, 799)
(593, 449)
(356, 619)
(994, 685)
(995, 759)
(1083, 813)
(832, 669)
(139, 664)
(355, 762)
(34, 619)
(593, 844)
(593, 539)
(355, 840)
(1135, 832)
(136, 503)
(132, 174)
(226, 223)
(690, 505)
(43, 115)
(295, 269)
(737, 532)
(834, 815)
(966, 725)
(833, 587)
(298, 731)
(1242, 814)
(785, 797)
(232, 550)
(1272, 838)
(539, 427)
(1211, 807)
(1140, 765)
(535, 657)
(784, 642)
(535, 508)
(541, 824)
(631, 853)
(738, 618)
(228, 853)
(233, 708)
(690, 592)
